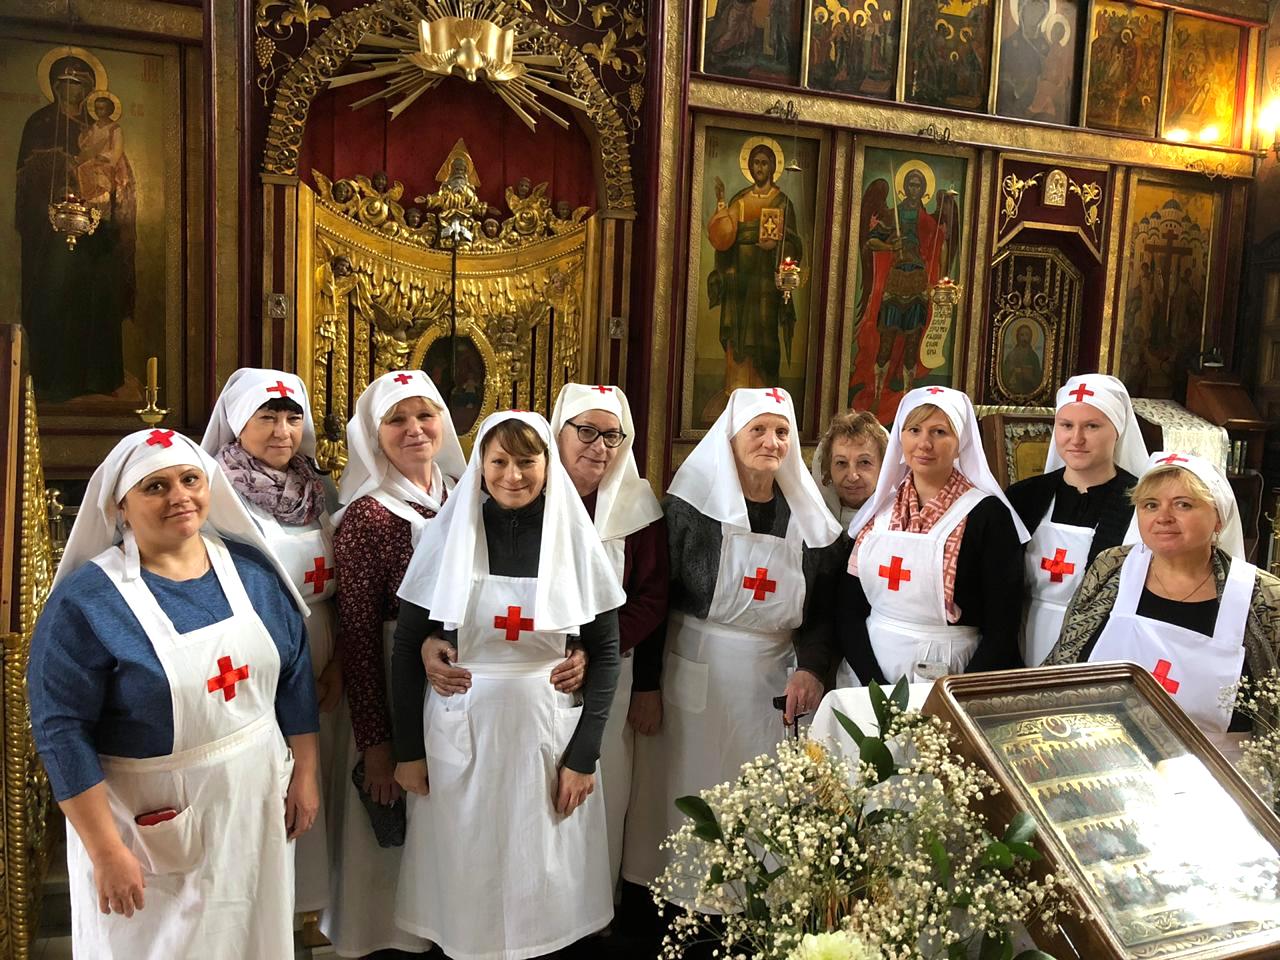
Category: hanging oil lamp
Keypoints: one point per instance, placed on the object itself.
(69, 215)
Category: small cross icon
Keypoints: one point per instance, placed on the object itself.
(895, 574)
(226, 681)
(319, 576)
(280, 388)
(160, 438)
(402, 378)
(1161, 673)
(1173, 458)
(760, 584)
(600, 388)
(775, 395)
(1058, 566)
(1080, 392)
(513, 623)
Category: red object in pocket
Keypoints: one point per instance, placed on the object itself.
(153, 817)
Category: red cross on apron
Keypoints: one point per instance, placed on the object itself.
(760, 584)
(1173, 458)
(402, 378)
(600, 388)
(513, 623)
(1161, 673)
(773, 394)
(895, 574)
(318, 576)
(160, 438)
(1080, 392)
(280, 388)
(226, 681)
(1057, 566)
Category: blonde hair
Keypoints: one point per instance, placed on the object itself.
(922, 413)
(1153, 480)
(431, 405)
(859, 426)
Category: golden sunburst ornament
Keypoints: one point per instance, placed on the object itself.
(490, 41)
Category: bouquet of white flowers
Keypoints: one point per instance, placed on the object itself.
(887, 856)
(1259, 700)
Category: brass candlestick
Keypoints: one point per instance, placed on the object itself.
(152, 414)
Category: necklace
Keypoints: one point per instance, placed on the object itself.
(1169, 592)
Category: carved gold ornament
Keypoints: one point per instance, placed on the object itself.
(489, 41)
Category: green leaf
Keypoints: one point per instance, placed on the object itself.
(879, 705)
(997, 854)
(717, 874)
(874, 752)
(1025, 851)
(941, 861)
(958, 951)
(883, 815)
(996, 948)
(852, 729)
(1021, 828)
(1034, 955)
(901, 694)
(704, 818)
(708, 831)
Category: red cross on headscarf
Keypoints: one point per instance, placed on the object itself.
(160, 438)
(280, 388)
(1080, 392)
(402, 378)
(319, 575)
(1058, 566)
(513, 623)
(226, 680)
(773, 393)
(760, 584)
(1161, 673)
(600, 388)
(895, 574)
(934, 390)
(1173, 458)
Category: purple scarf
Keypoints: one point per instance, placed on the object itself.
(294, 495)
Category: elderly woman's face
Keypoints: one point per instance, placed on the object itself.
(763, 443)
(272, 436)
(410, 434)
(1171, 521)
(167, 507)
(855, 468)
(587, 462)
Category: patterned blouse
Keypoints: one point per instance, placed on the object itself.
(372, 548)
(1091, 607)
(909, 515)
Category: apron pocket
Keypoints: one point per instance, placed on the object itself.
(566, 725)
(286, 774)
(684, 684)
(173, 846)
(448, 737)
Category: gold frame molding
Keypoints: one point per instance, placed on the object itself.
(473, 332)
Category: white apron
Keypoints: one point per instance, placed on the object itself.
(901, 575)
(490, 870)
(360, 918)
(306, 551)
(1193, 668)
(719, 679)
(219, 875)
(1054, 562)
(617, 747)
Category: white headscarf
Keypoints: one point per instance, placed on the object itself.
(245, 391)
(624, 502)
(1231, 538)
(576, 581)
(844, 515)
(99, 526)
(1111, 398)
(368, 468)
(708, 480)
(971, 461)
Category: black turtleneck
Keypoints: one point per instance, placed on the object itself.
(514, 538)
(1105, 507)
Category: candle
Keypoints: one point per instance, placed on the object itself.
(152, 375)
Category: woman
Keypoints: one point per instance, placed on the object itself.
(1080, 505)
(937, 553)
(594, 433)
(262, 435)
(1184, 602)
(749, 541)
(499, 861)
(169, 680)
(404, 458)
(847, 462)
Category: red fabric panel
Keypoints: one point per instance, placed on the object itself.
(340, 142)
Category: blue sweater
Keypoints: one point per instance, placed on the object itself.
(97, 687)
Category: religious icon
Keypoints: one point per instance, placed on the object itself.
(744, 330)
(83, 297)
(1125, 48)
(909, 239)
(853, 47)
(466, 391)
(1022, 356)
(1203, 68)
(753, 39)
(1166, 285)
(949, 53)
(1038, 43)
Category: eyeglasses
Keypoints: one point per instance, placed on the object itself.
(587, 434)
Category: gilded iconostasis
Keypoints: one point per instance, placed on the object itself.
(844, 199)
